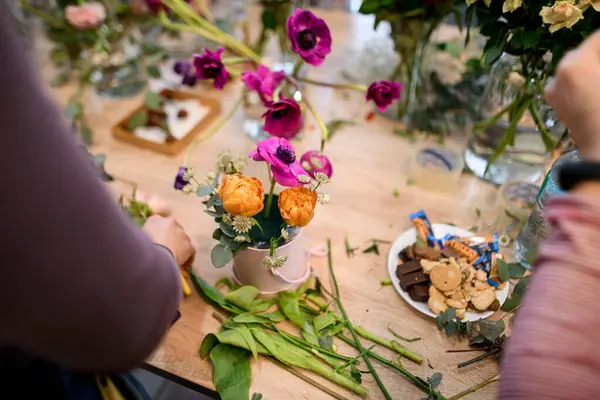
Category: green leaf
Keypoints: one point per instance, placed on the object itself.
(503, 270)
(137, 120)
(152, 101)
(516, 270)
(249, 318)
(257, 396)
(269, 19)
(275, 316)
(435, 380)
(221, 255)
(491, 330)
(369, 6)
(374, 248)
(208, 343)
(74, 110)
(59, 56)
(153, 71)
(261, 305)
(231, 374)
(355, 374)
(217, 234)
(227, 282)
(531, 255)
(521, 287)
(208, 293)
(227, 230)
(288, 301)
(323, 321)
(213, 214)
(242, 297)
(213, 201)
(531, 39)
(86, 134)
(512, 302)
(60, 79)
(477, 340)
(450, 328)
(203, 191)
(310, 336)
(326, 342)
(494, 48)
(245, 333)
(469, 21)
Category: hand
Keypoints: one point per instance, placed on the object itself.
(167, 232)
(574, 94)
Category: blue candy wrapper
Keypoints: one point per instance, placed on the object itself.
(422, 226)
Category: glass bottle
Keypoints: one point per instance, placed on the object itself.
(537, 227)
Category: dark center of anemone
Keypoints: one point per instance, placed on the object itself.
(286, 154)
(279, 112)
(211, 71)
(307, 40)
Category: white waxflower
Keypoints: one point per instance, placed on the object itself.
(504, 240)
(304, 178)
(211, 176)
(269, 262)
(285, 234)
(227, 219)
(242, 224)
(240, 239)
(322, 178)
(279, 261)
(188, 174)
(239, 165)
(188, 189)
(323, 198)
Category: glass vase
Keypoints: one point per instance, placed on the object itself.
(411, 39)
(516, 129)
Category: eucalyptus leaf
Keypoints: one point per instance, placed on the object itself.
(137, 120)
(227, 230)
(521, 287)
(242, 297)
(217, 233)
(435, 380)
(491, 330)
(212, 213)
(204, 190)
(503, 270)
(531, 255)
(213, 201)
(153, 71)
(512, 302)
(152, 101)
(516, 270)
(220, 256)
(257, 396)
(74, 110)
(231, 375)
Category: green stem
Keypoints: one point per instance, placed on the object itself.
(475, 388)
(402, 337)
(489, 122)
(323, 305)
(548, 141)
(360, 88)
(297, 67)
(359, 346)
(395, 346)
(354, 360)
(214, 129)
(308, 346)
(420, 383)
(235, 60)
(270, 199)
(45, 17)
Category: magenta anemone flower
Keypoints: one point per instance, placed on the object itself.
(283, 118)
(281, 156)
(314, 161)
(263, 81)
(210, 66)
(383, 93)
(309, 35)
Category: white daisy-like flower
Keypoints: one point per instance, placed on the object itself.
(211, 176)
(241, 239)
(321, 178)
(242, 224)
(285, 234)
(504, 240)
(227, 219)
(304, 178)
(323, 198)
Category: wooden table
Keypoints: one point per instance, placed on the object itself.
(369, 163)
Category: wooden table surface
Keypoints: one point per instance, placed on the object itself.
(370, 162)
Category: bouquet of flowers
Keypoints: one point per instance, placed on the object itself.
(538, 34)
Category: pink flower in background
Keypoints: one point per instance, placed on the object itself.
(283, 119)
(263, 81)
(383, 93)
(155, 202)
(309, 36)
(210, 66)
(85, 16)
(314, 161)
(280, 154)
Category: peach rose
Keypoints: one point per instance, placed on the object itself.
(155, 202)
(297, 205)
(242, 195)
(562, 14)
(85, 16)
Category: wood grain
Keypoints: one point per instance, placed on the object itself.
(369, 163)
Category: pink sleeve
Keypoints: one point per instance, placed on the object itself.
(553, 350)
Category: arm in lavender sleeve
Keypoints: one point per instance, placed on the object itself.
(553, 351)
(80, 284)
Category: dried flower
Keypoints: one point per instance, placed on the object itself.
(314, 161)
(242, 224)
(274, 262)
(242, 195)
(297, 206)
(383, 93)
(323, 198)
(184, 175)
(85, 16)
(562, 14)
(280, 154)
(283, 119)
(309, 36)
(263, 81)
(210, 66)
(241, 239)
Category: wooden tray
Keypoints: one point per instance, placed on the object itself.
(121, 132)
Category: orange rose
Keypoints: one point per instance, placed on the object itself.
(297, 205)
(242, 195)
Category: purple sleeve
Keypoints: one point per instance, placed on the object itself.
(80, 285)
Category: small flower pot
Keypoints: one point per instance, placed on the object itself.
(248, 268)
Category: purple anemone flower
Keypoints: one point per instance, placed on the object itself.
(283, 118)
(210, 66)
(314, 161)
(187, 73)
(182, 179)
(263, 81)
(309, 35)
(281, 156)
(155, 6)
(383, 93)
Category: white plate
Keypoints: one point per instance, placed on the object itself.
(439, 230)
